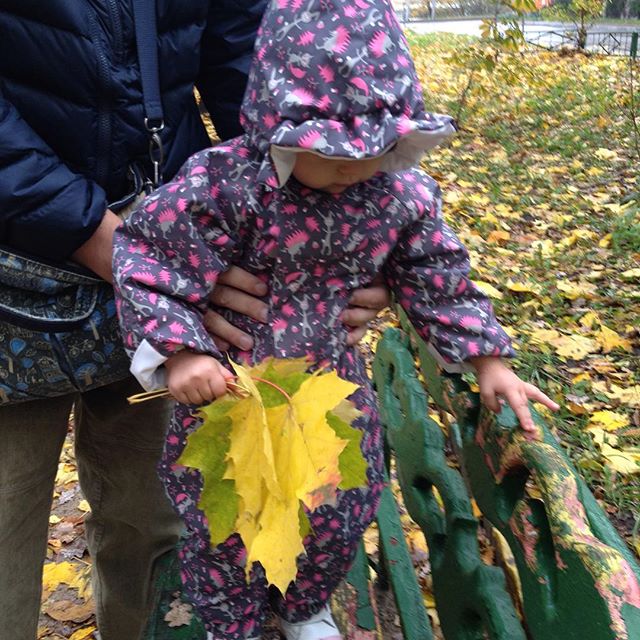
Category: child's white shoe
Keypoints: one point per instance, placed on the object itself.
(321, 626)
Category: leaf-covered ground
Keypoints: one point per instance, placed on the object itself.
(534, 184)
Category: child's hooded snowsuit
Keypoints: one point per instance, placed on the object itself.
(335, 78)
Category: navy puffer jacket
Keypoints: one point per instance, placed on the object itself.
(71, 109)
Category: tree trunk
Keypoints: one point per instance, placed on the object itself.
(582, 32)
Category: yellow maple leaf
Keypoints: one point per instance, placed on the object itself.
(575, 346)
(625, 461)
(293, 465)
(281, 452)
(523, 287)
(572, 291)
(610, 340)
(318, 395)
(278, 544)
(488, 289)
(251, 450)
(609, 420)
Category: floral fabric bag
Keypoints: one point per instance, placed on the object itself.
(58, 330)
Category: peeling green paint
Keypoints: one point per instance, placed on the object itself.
(471, 597)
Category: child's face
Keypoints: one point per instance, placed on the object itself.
(333, 175)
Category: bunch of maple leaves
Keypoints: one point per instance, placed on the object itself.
(272, 453)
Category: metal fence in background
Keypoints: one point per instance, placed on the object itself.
(618, 43)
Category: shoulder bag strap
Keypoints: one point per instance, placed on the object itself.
(144, 13)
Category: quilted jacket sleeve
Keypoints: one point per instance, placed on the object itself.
(227, 49)
(45, 208)
(167, 258)
(429, 273)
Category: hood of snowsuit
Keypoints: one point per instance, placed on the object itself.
(336, 78)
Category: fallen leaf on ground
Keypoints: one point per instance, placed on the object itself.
(610, 340)
(621, 460)
(67, 611)
(179, 614)
(609, 420)
(82, 634)
(575, 346)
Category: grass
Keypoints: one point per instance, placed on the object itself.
(625, 233)
(534, 185)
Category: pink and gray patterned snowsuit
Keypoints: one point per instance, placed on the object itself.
(334, 78)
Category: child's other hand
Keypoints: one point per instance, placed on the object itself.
(496, 379)
(196, 378)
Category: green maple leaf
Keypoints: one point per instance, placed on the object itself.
(353, 467)
(206, 450)
(288, 375)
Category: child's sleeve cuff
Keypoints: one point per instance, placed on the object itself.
(448, 366)
(146, 366)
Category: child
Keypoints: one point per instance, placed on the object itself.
(320, 195)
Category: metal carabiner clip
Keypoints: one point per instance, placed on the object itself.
(156, 150)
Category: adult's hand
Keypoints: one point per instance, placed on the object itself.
(236, 289)
(96, 253)
(364, 306)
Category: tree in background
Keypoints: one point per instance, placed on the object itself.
(623, 9)
(583, 13)
(497, 51)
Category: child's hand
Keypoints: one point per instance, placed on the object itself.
(196, 378)
(496, 379)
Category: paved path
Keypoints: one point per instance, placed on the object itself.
(472, 27)
(547, 34)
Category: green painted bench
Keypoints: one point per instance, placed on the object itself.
(574, 578)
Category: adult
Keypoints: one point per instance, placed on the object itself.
(73, 147)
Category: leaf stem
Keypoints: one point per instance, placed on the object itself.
(274, 385)
(164, 393)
